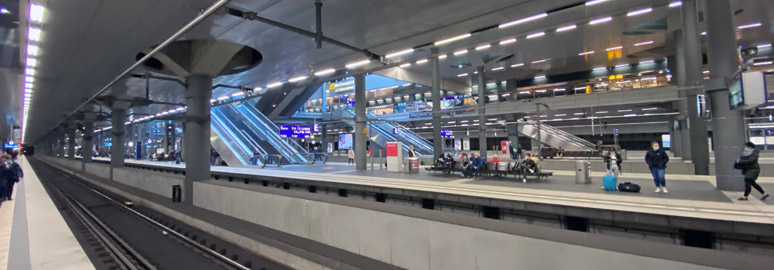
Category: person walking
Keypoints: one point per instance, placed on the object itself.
(748, 163)
(11, 173)
(351, 156)
(657, 160)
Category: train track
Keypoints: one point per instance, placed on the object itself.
(141, 249)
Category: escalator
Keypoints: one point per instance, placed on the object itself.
(239, 130)
(380, 132)
(555, 137)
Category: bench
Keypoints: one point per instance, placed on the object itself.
(541, 176)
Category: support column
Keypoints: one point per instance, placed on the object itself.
(693, 77)
(360, 123)
(676, 70)
(481, 112)
(727, 125)
(510, 87)
(61, 146)
(437, 139)
(86, 142)
(117, 134)
(197, 132)
(71, 140)
(324, 139)
(676, 138)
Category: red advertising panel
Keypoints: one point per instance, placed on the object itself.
(504, 147)
(392, 149)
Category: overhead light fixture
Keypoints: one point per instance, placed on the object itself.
(28, 85)
(566, 28)
(29, 79)
(601, 20)
(421, 61)
(586, 53)
(483, 47)
(498, 68)
(630, 115)
(650, 109)
(627, 110)
(639, 12)
(600, 68)
(644, 43)
(30, 71)
(523, 92)
(517, 65)
(211, 101)
(752, 25)
(452, 39)
(508, 41)
(540, 77)
(764, 45)
(36, 13)
(675, 4)
(539, 61)
(398, 53)
(704, 33)
(462, 75)
(32, 62)
(523, 20)
(33, 34)
(614, 48)
(274, 84)
(237, 94)
(461, 52)
(358, 63)
(647, 62)
(257, 88)
(534, 35)
(405, 65)
(297, 79)
(32, 50)
(560, 114)
(763, 63)
(558, 90)
(541, 91)
(594, 2)
(323, 72)
(443, 56)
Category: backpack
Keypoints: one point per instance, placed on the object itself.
(628, 187)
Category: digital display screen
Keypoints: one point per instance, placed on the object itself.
(345, 141)
(735, 94)
(295, 131)
(447, 133)
(108, 144)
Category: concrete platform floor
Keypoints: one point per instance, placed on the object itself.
(689, 195)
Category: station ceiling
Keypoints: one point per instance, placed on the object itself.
(84, 44)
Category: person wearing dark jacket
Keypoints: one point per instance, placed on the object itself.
(476, 163)
(657, 160)
(10, 173)
(748, 163)
(613, 161)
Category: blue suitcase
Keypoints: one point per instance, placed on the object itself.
(609, 182)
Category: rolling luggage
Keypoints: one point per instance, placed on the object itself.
(629, 187)
(609, 182)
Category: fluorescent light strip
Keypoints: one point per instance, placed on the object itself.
(453, 39)
(421, 61)
(441, 57)
(540, 77)
(586, 53)
(541, 91)
(36, 13)
(614, 48)
(622, 65)
(558, 89)
(321, 73)
(763, 63)
(594, 2)
(517, 65)
(523, 92)
(405, 65)
(523, 20)
(274, 84)
(643, 43)
(539, 61)
(561, 114)
(630, 115)
(398, 53)
(627, 110)
(566, 28)
(752, 25)
(32, 50)
(601, 20)
(647, 62)
(461, 52)
(639, 12)
(358, 63)
(675, 4)
(534, 35)
(600, 68)
(508, 41)
(498, 68)
(33, 34)
(483, 47)
(462, 75)
(297, 79)
(765, 45)
(649, 109)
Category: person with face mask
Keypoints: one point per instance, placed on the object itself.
(657, 160)
(748, 163)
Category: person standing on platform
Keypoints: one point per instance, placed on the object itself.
(351, 156)
(613, 161)
(10, 173)
(748, 163)
(657, 160)
(411, 152)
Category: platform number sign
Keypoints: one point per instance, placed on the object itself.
(615, 131)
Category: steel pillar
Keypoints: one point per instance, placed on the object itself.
(197, 132)
(437, 139)
(117, 133)
(481, 112)
(728, 125)
(87, 141)
(693, 77)
(71, 140)
(360, 123)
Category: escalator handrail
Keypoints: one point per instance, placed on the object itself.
(291, 146)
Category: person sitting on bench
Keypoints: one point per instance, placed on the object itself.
(530, 165)
(465, 162)
(476, 163)
(448, 161)
(439, 161)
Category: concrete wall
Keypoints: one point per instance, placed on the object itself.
(99, 170)
(155, 182)
(412, 242)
